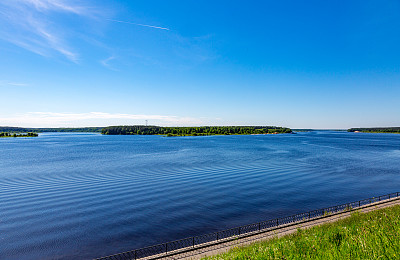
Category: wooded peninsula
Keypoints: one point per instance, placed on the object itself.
(29, 134)
(393, 130)
(193, 131)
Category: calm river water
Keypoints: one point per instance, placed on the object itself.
(79, 196)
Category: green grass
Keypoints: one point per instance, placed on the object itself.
(373, 235)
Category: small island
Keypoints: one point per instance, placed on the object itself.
(194, 131)
(392, 130)
(30, 134)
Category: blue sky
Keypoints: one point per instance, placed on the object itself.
(300, 64)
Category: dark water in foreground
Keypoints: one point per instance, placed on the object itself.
(79, 196)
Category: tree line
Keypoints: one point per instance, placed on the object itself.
(193, 131)
(29, 134)
(376, 130)
(9, 129)
(156, 130)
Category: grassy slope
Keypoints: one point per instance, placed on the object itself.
(372, 235)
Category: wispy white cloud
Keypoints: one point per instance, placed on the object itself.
(139, 24)
(12, 84)
(106, 62)
(51, 119)
(34, 25)
(55, 5)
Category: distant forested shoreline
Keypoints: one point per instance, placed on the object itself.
(393, 130)
(156, 130)
(9, 129)
(29, 134)
(181, 131)
(193, 131)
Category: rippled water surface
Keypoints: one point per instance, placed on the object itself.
(79, 196)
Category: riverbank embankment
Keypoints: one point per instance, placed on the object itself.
(216, 248)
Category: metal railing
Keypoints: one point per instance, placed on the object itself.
(242, 231)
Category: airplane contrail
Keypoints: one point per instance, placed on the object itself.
(139, 24)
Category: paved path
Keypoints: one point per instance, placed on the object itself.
(284, 230)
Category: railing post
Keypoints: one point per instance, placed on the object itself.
(259, 226)
(193, 242)
(166, 248)
(277, 222)
(389, 196)
(239, 230)
(135, 254)
(309, 214)
(217, 236)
